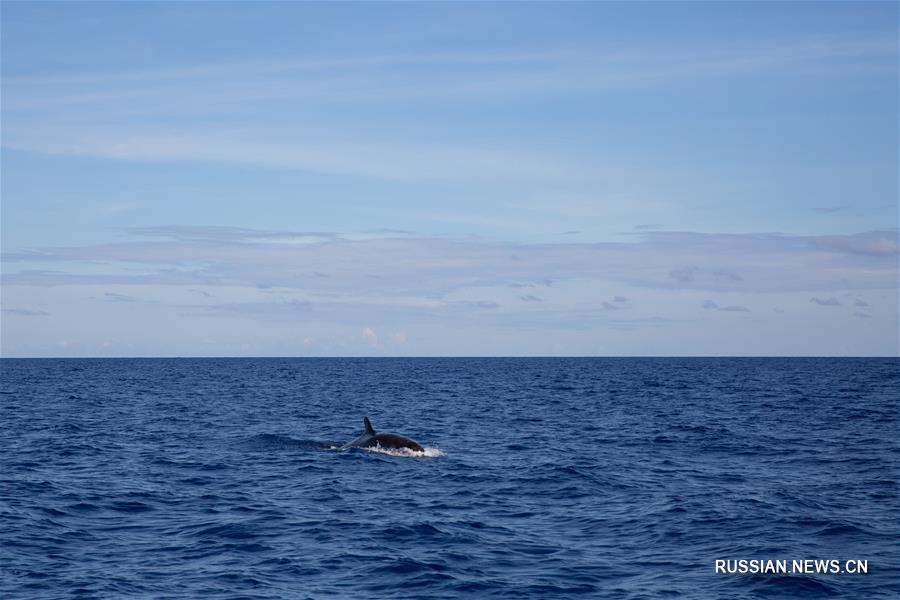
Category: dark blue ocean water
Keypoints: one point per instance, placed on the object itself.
(548, 478)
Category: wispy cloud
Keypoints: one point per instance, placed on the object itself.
(113, 297)
(190, 233)
(876, 246)
(26, 312)
(827, 210)
(378, 158)
(727, 275)
(831, 301)
(617, 303)
(200, 257)
(175, 114)
(683, 275)
(409, 77)
(112, 208)
(735, 308)
(712, 305)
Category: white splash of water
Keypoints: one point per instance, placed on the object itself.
(407, 453)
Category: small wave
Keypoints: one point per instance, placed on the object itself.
(270, 441)
(841, 529)
(129, 506)
(427, 452)
(798, 585)
(233, 531)
(407, 566)
(414, 532)
(198, 481)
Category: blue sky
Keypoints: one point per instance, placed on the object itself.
(449, 179)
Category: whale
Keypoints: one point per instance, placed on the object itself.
(389, 441)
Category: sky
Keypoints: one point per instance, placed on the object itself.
(449, 179)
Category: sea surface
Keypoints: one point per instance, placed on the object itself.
(543, 478)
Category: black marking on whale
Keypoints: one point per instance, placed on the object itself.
(390, 441)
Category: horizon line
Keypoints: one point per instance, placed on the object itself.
(456, 356)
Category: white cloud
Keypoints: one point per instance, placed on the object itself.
(371, 338)
(363, 295)
(383, 158)
(434, 267)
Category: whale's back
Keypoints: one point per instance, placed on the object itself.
(393, 441)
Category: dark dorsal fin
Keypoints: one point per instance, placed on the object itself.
(368, 425)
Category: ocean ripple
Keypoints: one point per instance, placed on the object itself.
(541, 478)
